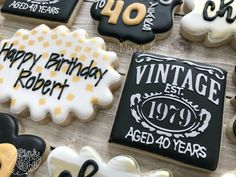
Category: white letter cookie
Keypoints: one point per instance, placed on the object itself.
(65, 162)
(210, 21)
(56, 72)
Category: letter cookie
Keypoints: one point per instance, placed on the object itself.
(31, 150)
(172, 108)
(137, 21)
(51, 12)
(8, 156)
(65, 162)
(57, 72)
(210, 21)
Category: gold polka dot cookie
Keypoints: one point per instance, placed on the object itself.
(56, 72)
(8, 156)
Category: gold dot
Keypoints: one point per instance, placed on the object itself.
(73, 55)
(57, 110)
(64, 69)
(1, 67)
(53, 73)
(40, 38)
(87, 49)
(45, 44)
(70, 97)
(94, 40)
(75, 35)
(63, 52)
(42, 101)
(34, 32)
(54, 36)
(94, 100)
(82, 57)
(18, 33)
(22, 47)
(81, 40)
(39, 69)
(95, 54)
(105, 58)
(17, 87)
(45, 55)
(89, 87)
(58, 42)
(1, 80)
(25, 37)
(13, 102)
(31, 42)
(78, 48)
(68, 44)
(45, 32)
(16, 42)
(94, 64)
(75, 79)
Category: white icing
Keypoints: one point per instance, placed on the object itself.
(81, 95)
(218, 30)
(118, 166)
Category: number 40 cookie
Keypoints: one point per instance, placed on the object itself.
(172, 108)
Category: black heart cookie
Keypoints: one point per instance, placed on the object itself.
(137, 21)
(51, 12)
(172, 108)
(30, 149)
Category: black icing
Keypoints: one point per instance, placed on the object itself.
(173, 114)
(234, 128)
(83, 170)
(51, 10)
(28, 143)
(162, 23)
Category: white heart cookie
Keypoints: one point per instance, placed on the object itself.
(56, 72)
(65, 162)
(210, 21)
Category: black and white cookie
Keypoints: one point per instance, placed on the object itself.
(136, 21)
(50, 12)
(172, 108)
(31, 150)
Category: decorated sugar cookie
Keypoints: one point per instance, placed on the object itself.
(31, 150)
(172, 108)
(8, 156)
(57, 72)
(210, 21)
(51, 12)
(138, 21)
(65, 162)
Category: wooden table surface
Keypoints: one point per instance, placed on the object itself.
(96, 133)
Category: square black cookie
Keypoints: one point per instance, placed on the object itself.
(172, 108)
(51, 12)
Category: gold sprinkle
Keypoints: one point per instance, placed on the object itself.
(105, 58)
(39, 69)
(94, 100)
(40, 38)
(1, 67)
(16, 87)
(73, 55)
(78, 48)
(81, 40)
(95, 54)
(82, 57)
(87, 49)
(54, 36)
(25, 37)
(75, 35)
(89, 87)
(70, 97)
(45, 55)
(45, 32)
(18, 33)
(58, 42)
(64, 69)
(22, 47)
(53, 73)
(68, 44)
(13, 102)
(31, 42)
(1, 80)
(42, 101)
(75, 79)
(45, 44)
(16, 42)
(63, 52)
(57, 110)
(34, 32)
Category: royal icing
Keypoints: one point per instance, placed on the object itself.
(30, 148)
(57, 72)
(65, 162)
(134, 20)
(58, 11)
(172, 107)
(8, 156)
(213, 21)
